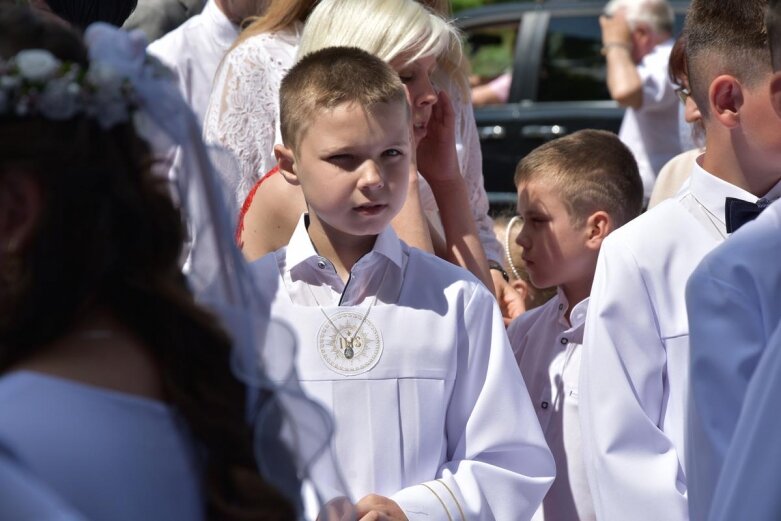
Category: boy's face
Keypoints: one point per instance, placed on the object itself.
(555, 250)
(353, 167)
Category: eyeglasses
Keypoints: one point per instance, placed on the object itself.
(683, 93)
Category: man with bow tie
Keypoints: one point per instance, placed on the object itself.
(635, 366)
(734, 304)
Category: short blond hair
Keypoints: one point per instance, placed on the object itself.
(657, 14)
(592, 170)
(331, 77)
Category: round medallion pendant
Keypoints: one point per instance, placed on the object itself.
(347, 350)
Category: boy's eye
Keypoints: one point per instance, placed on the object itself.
(406, 78)
(393, 152)
(344, 161)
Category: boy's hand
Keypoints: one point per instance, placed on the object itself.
(437, 159)
(379, 508)
(510, 300)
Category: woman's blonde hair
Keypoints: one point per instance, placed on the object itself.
(280, 15)
(388, 29)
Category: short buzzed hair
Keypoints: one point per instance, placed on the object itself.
(773, 24)
(725, 37)
(331, 77)
(592, 170)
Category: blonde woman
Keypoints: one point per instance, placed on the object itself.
(425, 50)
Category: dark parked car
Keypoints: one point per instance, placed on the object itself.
(551, 51)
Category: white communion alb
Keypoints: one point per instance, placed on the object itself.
(635, 365)
(548, 350)
(734, 303)
(412, 359)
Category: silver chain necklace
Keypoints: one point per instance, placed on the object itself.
(349, 340)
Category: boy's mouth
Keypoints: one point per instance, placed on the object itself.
(370, 209)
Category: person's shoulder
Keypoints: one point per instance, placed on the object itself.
(168, 45)
(425, 270)
(544, 315)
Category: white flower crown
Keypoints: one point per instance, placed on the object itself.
(35, 82)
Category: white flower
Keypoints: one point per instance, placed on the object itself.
(59, 100)
(36, 64)
(105, 78)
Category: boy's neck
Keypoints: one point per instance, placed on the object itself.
(723, 159)
(575, 292)
(341, 249)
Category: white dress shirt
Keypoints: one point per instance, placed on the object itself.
(548, 350)
(651, 132)
(194, 50)
(748, 487)
(635, 365)
(440, 420)
(734, 304)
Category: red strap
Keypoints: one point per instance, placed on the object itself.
(248, 203)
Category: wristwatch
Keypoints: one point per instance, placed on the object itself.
(493, 265)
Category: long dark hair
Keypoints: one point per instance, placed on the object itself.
(110, 237)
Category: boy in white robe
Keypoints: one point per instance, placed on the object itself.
(572, 192)
(408, 352)
(635, 364)
(734, 304)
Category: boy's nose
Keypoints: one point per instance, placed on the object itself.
(521, 239)
(371, 176)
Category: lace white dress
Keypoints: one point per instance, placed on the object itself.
(243, 116)
(244, 104)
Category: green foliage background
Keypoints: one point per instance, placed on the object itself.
(460, 5)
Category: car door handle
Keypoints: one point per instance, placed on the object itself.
(543, 131)
(492, 132)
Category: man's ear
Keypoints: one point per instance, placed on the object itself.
(725, 97)
(21, 204)
(598, 225)
(287, 162)
(775, 93)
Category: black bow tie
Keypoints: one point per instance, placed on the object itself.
(738, 212)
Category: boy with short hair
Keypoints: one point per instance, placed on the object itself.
(407, 351)
(572, 192)
(734, 308)
(635, 373)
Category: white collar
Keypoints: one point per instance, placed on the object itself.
(300, 250)
(577, 318)
(223, 30)
(711, 191)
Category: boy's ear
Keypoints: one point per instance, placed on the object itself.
(598, 226)
(725, 96)
(286, 161)
(775, 93)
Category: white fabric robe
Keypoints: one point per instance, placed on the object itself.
(635, 366)
(443, 423)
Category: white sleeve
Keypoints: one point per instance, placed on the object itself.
(472, 170)
(632, 465)
(498, 465)
(727, 340)
(243, 109)
(747, 488)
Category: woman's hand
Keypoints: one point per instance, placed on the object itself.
(436, 155)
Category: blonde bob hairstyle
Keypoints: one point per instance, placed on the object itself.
(388, 29)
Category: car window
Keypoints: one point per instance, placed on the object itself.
(490, 50)
(572, 67)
